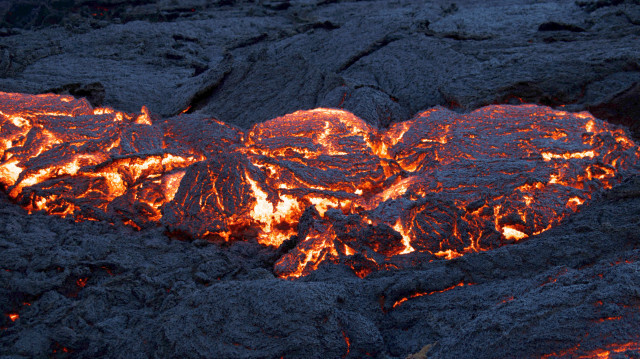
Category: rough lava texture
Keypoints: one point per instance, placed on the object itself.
(92, 289)
(245, 62)
(100, 290)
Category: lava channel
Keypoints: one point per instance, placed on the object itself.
(322, 183)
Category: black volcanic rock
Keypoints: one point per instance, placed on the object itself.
(245, 62)
(623, 108)
(93, 92)
(557, 26)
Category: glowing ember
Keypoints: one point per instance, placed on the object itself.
(605, 353)
(347, 341)
(81, 282)
(13, 316)
(438, 186)
(420, 294)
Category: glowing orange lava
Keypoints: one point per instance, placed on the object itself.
(420, 294)
(600, 353)
(324, 182)
(81, 282)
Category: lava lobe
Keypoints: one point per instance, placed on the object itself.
(321, 183)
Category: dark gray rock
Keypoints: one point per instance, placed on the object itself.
(245, 62)
(623, 108)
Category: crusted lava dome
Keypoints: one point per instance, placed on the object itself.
(322, 183)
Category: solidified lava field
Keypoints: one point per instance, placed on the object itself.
(319, 179)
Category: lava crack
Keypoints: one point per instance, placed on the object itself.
(322, 182)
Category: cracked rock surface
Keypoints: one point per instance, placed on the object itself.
(92, 289)
(102, 290)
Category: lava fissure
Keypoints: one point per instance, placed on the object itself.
(437, 186)
(421, 294)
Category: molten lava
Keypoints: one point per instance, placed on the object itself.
(420, 294)
(603, 353)
(322, 182)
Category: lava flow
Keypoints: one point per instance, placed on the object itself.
(323, 184)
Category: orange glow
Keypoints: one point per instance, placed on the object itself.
(320, 248)
(420, 294)
(548, 156)
(443, 183)
(448, 254)
(102, 111)
(13, 316)
(601, 353)
(512, 233)
(348, 251)
(616, 348)
(553, 279)
(347, 341)
(406, 240)
(144, 118)
(574, 202)
(607, 319)
(59, 348)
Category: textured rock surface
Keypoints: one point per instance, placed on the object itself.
(246, 62)
(100, 290)
(92, 289)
